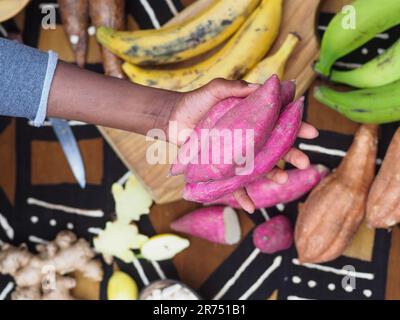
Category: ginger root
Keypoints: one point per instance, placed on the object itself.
(43, 276)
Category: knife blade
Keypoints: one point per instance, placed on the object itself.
(71, 149)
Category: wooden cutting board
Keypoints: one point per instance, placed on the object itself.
(298, 16)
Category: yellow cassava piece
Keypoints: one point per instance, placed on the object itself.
(118, 240)
(132, 201)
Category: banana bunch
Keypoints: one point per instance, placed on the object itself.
(274, 64)
(374, 105)
(341, 37)
(180, 41)
(380, 71)
(379, 100)
(233, 61)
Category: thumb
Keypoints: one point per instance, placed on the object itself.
(222, 88)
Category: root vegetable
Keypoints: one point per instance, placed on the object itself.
(257, 112)
(75, 16)
(64, 255)
(273, 235)
(334, 210)
(131, 200)
(191, 145)
(109, 13)
(288, 90)
(118, 239)
(278, 144)
(383, 205)
(266, 193)
(216, 224)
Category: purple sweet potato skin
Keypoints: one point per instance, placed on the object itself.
(288, 91)
(258, 112)
(206, 223)
(273, 235)
(207, 122)
(279, 143)
(266, 193)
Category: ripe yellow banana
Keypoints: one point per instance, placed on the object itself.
(243, 51)
(179, 41)
(274, 64)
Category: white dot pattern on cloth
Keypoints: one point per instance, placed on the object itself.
(70, 226)
(380, 51)
(34, 219)
(367, 293)
(312, 284)
(296, 279)
(331, 286)
(53, 222)
(348, 288)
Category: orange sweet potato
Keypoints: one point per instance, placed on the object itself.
(334, 210)
(75, 16)
(109, 13)
(383, 205)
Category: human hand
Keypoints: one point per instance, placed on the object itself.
(192, 106)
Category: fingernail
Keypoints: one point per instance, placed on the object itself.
(316, 134)
(248, 208)
(249, 211)
(304, 165)
(253, 85)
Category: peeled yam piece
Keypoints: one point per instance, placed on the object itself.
(217, 224)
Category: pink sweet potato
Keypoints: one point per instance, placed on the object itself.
(266, 193)
(216, 224)
(257, 112)
(280, 141)
(207, 122)
(273, 235)
(288, 90)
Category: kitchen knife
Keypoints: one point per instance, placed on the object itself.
(71, 149)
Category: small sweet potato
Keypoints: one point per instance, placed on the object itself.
(334, 210)
(383, 205)
(280, 141)
(266, 193)
(257, 112)
(288, 90)
(273, 235)
(192, 144)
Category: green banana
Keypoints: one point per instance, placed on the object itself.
(370, 18)
(376, 105)
(382, 70)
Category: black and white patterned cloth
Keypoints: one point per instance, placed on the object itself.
(246, 273)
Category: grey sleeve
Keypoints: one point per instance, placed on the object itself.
(25, 80)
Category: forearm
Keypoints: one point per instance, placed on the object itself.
(86, 96)
(25, 79)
